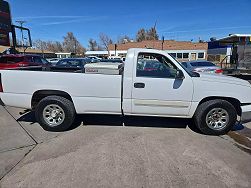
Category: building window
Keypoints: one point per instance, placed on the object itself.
(173, 54)
(201, 55)
(179, 55)
(185, 55)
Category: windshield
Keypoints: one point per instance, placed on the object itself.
(191, 73)
(10, 60)
(69, 62)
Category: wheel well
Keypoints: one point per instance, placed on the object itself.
(39, 95)
(235, 102)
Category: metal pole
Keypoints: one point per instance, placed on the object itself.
(75, 47)
(115, 45)
(163, 40)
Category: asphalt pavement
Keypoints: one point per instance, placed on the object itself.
(99, 152)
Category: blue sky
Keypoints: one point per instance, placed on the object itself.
(176, 19)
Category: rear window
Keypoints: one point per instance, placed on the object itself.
(202, 64)
(69, 62)
(10, 60)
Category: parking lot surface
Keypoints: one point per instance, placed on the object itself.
(101, 153)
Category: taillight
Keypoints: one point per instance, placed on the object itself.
(1, 86)
(219, 71)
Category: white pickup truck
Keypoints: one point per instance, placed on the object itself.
(151, 83)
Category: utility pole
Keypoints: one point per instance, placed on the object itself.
(162, 44)
(21, 22)
(75, 46)
(115, 46)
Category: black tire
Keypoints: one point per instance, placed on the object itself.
(204, 108)
(62, 102)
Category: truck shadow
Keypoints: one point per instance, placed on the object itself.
(116, 120)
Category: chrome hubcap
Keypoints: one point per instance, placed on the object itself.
(217, 118)
(53, 115)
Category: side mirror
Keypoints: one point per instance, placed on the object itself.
(179, 75)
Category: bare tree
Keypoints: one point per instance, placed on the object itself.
(54, 46)
(92, 45)
(58, 46)
(41, 45)
(152, 34)
(123, 39)
(105, 41)
(71, 44)
(141, 35)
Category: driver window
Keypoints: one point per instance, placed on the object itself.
(155, 65)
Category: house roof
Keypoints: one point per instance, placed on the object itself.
(157, 44)
(34, 51)
(28, 50)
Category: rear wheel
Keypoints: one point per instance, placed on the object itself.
(55, 113)
(215, 117)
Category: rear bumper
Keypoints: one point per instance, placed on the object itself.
(16, 100)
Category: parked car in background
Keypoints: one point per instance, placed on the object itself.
(94, 57)
(19, 61)
(70, 64)
(111, 61)
(202, 66)
(53, 60)
(114, 57)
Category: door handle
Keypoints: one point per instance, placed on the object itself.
(139, 85)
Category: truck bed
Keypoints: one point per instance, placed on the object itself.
(88, 91)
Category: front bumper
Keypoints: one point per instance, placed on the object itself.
(1, 102)
(246, 108)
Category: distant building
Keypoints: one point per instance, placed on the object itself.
(64, 54)
(97, 53)
(182, 50)
(231, 51)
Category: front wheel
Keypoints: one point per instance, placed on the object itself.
(215, 117)
(55, 113)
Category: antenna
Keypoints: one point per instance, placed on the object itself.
(21, 22)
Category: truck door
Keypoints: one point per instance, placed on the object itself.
(156, 91)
